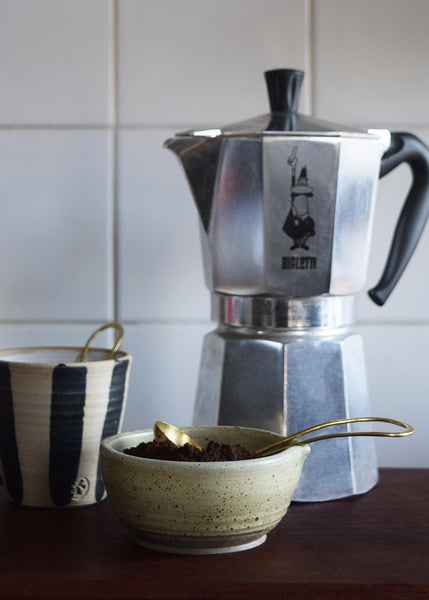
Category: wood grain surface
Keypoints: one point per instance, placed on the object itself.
(372, 546)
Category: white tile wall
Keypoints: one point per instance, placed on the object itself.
(163, 382)
(97, 221)
(396, 356)
(56, 62)
(370, 61)
(57, 234)
(160, 268)
(20, 334)
(203, 62)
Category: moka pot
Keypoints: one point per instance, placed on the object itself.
(286, 206)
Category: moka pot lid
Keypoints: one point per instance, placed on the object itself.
(284, 86)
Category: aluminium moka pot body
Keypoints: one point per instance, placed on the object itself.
(286, 206)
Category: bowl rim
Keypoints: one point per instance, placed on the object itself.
(107, 446)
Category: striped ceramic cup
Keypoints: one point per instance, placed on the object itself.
(54, 412)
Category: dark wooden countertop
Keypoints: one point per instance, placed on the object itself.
(372, 546)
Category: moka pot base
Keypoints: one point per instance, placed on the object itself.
(282, 365)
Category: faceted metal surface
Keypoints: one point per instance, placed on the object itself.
(286, 220)
(272, 313)
(284, 215)
(287, 381)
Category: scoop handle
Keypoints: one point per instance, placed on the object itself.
(405, 148)
(295, 439)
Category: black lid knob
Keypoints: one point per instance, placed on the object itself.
(284, 87)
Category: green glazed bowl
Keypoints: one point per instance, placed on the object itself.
(198, 507)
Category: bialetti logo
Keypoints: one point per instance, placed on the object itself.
(299, 225)
(297, 263)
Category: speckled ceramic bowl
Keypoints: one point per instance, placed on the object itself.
(200, 508)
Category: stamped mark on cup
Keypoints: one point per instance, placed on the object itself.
(80, 489)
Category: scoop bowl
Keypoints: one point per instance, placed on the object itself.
(197, 507)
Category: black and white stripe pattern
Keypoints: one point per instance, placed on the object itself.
(52, 420)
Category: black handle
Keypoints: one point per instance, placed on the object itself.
(405, 147)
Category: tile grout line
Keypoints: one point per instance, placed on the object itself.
(115, 199)
(310, 54)
(164, 126)
(176, 321)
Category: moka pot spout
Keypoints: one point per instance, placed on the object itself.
(200, 158)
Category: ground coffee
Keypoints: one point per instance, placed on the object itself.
(214, 452)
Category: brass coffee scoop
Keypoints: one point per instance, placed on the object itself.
(166, 432)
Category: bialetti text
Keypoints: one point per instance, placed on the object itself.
(297, 263)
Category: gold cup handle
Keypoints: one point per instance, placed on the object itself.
(115, 348)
